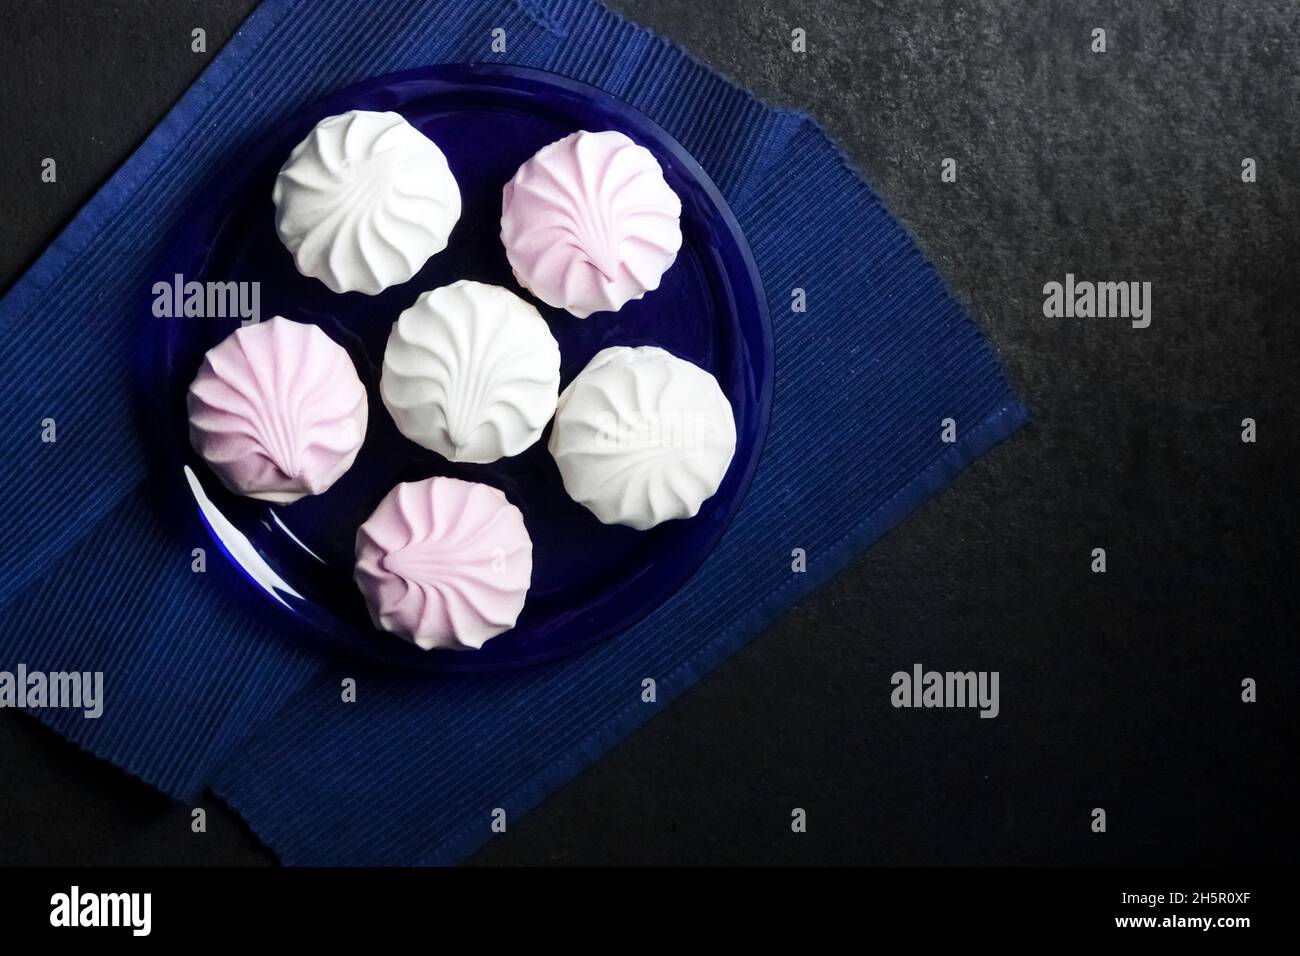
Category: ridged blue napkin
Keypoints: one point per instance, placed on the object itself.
(204, 688)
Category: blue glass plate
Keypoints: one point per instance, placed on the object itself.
(590, 581)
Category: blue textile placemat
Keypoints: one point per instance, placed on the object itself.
(203, 690)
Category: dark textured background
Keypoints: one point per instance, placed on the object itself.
(1118, 690)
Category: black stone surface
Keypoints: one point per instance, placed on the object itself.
(1119, 690)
